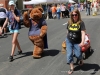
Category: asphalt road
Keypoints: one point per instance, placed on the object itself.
(53, 61)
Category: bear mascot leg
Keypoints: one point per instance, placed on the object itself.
(38, 46)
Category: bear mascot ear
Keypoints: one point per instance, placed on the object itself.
(41, 9)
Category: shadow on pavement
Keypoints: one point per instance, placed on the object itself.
(25, 54)
(92, 51)
(3, 36)
(89, 54)
(52, 52)
(87, 67)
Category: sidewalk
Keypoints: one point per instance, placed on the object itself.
(83, 14)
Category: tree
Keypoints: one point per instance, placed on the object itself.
(82, 1)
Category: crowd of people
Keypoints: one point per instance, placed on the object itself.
(63, 10)
(58, 11)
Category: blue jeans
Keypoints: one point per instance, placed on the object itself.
(88, 11)
(58, 15)
(72, 47)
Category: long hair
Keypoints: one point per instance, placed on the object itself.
(71, 20)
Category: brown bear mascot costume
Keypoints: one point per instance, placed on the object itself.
(37, 30)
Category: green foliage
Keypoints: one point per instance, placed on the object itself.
(82, 1)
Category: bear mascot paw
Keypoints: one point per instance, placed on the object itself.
(37, 30)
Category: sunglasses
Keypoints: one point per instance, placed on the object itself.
(74, 14)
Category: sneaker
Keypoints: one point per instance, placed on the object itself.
(19, 52)
(10, 58)
(4, 35)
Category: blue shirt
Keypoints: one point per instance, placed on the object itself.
(12, 20)
(36, 29)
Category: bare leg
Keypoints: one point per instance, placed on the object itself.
(14, 38)
(0, 30)
(5, 30)
(18, 46)
(71, 68)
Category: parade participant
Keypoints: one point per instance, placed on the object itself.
(3, 19)
(37, 30)
(75, 38)
(13, 17)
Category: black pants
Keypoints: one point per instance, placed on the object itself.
(2, 20)
(63, 14)
(50, 15)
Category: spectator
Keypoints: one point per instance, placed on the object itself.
(63, 8)
(94, 8)
(49, 12)
(88, 8)
(54, 10)
(3, 19)
(58, 11)
(75, 38)
(76, 5)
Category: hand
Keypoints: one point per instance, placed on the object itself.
(12, 11)
(81, 44)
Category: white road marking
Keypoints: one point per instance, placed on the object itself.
(65, 23)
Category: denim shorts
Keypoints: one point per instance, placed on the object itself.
(14, 30)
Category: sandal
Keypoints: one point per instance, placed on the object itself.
(81, 62)
(70, 71)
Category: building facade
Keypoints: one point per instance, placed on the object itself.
(19, 3)
(5, 2)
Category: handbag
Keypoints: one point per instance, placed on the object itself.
(63, 47)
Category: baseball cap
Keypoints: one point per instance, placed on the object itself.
(11, 3)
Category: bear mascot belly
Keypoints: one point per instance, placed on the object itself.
(37, 30)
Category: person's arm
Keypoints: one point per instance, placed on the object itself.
(83, 32)
(17, 18)
(5, 23)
